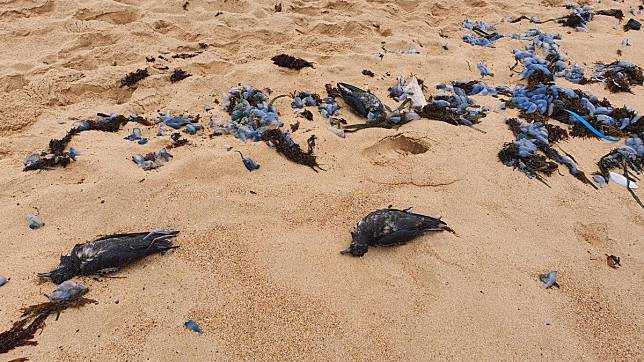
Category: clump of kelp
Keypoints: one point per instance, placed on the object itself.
(291, 62)
(628, 158)
(532, 150)
(134, 77)
(285, 145)
(179, 75)
(56, 156)
(32, 320)
(253, 118)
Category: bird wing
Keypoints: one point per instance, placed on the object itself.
(399, 237)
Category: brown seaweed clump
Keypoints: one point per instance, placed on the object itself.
(32, 320)
(291, 62)
(178, 75)
(307, 115)
(291, 150)
(556, 133)
(134, 77)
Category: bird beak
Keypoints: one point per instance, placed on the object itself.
(346, 251)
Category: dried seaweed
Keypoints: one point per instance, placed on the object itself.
(33, 319)
(291, 62)
(185, 55)
(178, 75)
(368, 73)
(556, 133)
(132, 78)
(307, 114)
(291, 150)
(177, 141)
(278, 8)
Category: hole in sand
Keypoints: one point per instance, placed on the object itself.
(400, 144)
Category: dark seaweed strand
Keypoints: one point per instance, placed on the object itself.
(293, 152)
(33, 319)
(57, 146)
(637, 199)
(556, 133)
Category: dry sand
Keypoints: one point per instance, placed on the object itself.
(261, 273)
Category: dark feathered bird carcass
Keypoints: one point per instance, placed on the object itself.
(109, 253)
(391, 227)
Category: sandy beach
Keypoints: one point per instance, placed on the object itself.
(259, 265)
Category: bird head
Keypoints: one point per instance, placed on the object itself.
(65, 271)
(358, 245)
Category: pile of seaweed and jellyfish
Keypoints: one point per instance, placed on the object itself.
(619, 76)
(545, 101)
(56, 156)
(455, 106)
(629, 159)
(541, 99)
(255, 119)
(532, 152)
(21, 333)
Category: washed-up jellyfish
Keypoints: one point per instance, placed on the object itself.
(67, 290)
(35, 222)
(193, 326)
